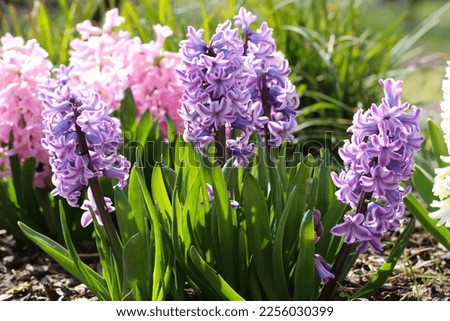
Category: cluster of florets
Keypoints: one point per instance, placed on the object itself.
(111, 61)
(237, 84)
(379, 156)
(80, 136)
(441, 187)
(22, 67)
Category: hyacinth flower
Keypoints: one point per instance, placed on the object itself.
(210, 190)
(235, 86)
(82, 140)
(377, 159)
(441, 187)
(23, 66)
(110, 61)
(323, 269)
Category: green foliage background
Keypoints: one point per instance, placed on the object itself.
(337, 49)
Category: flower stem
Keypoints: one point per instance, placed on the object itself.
(99, 199)
(267, 109)
(221, 150)
(346, 249)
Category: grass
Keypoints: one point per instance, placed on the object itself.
(422, 88)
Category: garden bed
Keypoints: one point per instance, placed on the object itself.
(422, 273)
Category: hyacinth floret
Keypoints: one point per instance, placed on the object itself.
(378, 157)
(441, 188)
(238, 82)
(80, 136)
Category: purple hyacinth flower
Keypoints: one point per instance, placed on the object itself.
(244, 19)
(209, 189)
(241, 150)
(379, 181)
(318, 227)
(216, 114)
(239, 84)
(392, 91)
(377, 158)
(352, 229)
(349, 187)
(323, 269)
(374, 243)
(81, 138)
(384, 150)
(89, 205)
(195, 45)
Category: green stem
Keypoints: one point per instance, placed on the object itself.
(346, 249)
(99, 199)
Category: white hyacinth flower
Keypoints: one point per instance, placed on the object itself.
(441, 186)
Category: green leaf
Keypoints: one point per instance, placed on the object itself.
(325, 193)
(110, 269)
(14, 164)
(214, 279)
(10, 214)
(156, 221)
(423, 183)
(259, 234)
(418, 32)
(165, 12)
(302, 181)
(171, 129)
(144, 127)
(59, 254)
(15, 21)
(329, 244)
(279, 256)
(305, 285)
(137, 268)
(169, 177)
(437, 142)
(181, 241)
(441, 233)
(125, 215)
(63, 6)
(227, 227)
(26, 181)
(136, 201)
(44, 34)
(127, 112)
(52, 248)
(68, 32)
(160, 194)
(386, 269)
(194, 214)
(129, 12)
(91, 278)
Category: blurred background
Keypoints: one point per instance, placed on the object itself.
(337, 49)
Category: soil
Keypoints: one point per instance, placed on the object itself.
(422, 273)
(28, 274)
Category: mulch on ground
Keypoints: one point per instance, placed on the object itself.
(422, 273)
(28, 274)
